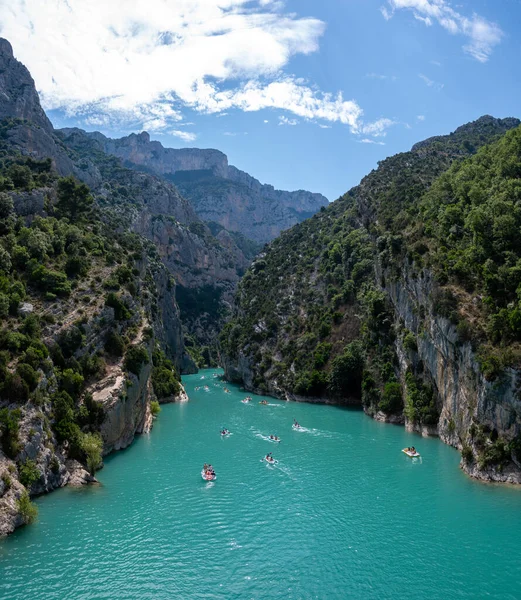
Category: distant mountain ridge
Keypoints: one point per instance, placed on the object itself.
(217, 190)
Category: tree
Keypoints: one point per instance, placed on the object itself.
(74, 199)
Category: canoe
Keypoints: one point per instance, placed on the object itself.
(411, 454)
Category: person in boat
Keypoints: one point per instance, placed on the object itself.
(271, 437)
(413, 449)
(296, 424)
(269, 457)
(276, 438)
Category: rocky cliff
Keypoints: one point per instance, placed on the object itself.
(401, 297)
(217, 191)
(90, 330)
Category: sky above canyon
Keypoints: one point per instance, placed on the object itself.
(299, 93)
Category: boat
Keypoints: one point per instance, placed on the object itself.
(225, 433)
(265, 402)
(296, 426)
(270, 460)
(207, 476)
(272, 439)
(414, 454)
(246, 400)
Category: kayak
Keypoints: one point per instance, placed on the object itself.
(208, 476)
(411, 454)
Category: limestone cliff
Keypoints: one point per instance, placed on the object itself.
(217, 191)
(381, 300)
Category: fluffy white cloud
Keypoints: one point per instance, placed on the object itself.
(139, 63)
(378, 128)
(420, 118)
(482, 35)
(186, 136)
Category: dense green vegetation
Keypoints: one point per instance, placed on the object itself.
(63, 273)
(327, 326)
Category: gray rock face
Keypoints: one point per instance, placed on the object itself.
(465, 396)
(218, 192)
(18, 96)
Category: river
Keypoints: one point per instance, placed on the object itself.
(343, 514)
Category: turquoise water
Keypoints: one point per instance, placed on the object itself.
(344, 514)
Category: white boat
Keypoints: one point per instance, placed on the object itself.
(296, 426)
(414, 454)
(226, 433)
(245, 401)
(274, 440)
(270, 461)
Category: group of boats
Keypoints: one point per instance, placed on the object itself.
(208, 472)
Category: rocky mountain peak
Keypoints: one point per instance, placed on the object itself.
(18, 96)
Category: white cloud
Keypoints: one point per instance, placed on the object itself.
(369, 141)
(483, 35)
(420, 118)
(266, 121)
(285, 121)
(140, 63)
(430, 83)
(378, 128)
(186, 136)
(324, 126)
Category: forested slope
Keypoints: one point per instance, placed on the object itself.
(402, 296)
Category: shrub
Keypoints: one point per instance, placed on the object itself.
(28, 375)
(91, 445)
(391, 401)
(28, 510)
(135, 358)
(155, 409)
(346, 371)
(114, 344)
(165, 382)
(28, 473)
(71, 382)
(121, 310)
(409, 342)
(466, 454)
(9, 428)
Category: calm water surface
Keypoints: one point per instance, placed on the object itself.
(344, 514)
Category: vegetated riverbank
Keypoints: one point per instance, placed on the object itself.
(402, 295)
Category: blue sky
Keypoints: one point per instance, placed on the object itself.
(260, 79)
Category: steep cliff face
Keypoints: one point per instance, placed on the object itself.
(89, 324)
(217, 191)
(381, 299)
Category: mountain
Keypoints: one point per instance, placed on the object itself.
(93, 259)
(402, 297)
(218, 191)
(201, 263)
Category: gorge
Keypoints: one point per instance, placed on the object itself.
(122, 262)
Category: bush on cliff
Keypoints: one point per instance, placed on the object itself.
(135, 358)
(28, 510)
